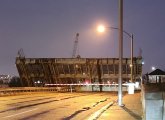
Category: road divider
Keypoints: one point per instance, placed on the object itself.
(96, 115)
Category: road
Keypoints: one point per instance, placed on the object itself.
(55, 106)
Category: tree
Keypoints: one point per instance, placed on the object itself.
(15, 82)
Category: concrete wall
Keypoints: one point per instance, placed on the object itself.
(153, 105)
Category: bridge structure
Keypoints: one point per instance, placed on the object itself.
(41, 71)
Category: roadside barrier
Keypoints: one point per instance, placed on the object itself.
(20, 90)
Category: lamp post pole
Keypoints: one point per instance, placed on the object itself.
(121, 31)
(120, 52)
(131, 58)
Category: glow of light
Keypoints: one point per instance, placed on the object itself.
(153, 68)
(130, 65)
(86, 82)
(101, 28)
(76, 66)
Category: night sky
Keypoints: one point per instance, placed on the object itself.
(47, 28)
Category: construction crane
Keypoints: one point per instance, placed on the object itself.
(140, 52)
(21, 53)
(75, 47)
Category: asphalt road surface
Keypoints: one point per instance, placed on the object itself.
(55, 106)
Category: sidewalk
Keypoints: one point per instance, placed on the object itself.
(131, 111)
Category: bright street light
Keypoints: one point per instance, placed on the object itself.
(100, 28)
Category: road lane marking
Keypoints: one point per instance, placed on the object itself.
(99, 112)
(20, 113)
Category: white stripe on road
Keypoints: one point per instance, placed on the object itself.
(99, 112)
(20, 113)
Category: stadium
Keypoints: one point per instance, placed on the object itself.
(77, 71)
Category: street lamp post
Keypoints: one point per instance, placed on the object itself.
(131, 58)
(101, 28)
(131, 37)
(121, 31)
(120, 52)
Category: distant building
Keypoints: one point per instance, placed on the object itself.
(4, 79)
(156, 76)
(34, 71)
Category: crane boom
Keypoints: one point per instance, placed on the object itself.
(75, 47)
(21, 53)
